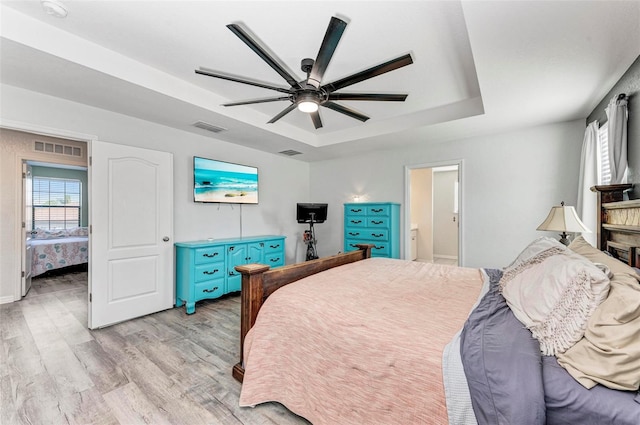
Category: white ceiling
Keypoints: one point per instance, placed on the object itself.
(480, 67)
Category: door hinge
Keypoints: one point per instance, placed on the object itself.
(90, 297)
(90, 228)
(90, 158)
(22, 273)
(23, 225)
(24, 175)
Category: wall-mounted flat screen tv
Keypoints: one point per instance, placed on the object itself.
(307, 213)
(224, 182)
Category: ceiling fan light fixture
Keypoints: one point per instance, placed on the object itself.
(54, 8)
(308, 106)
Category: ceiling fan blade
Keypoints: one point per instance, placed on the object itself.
(215, 74)
(369, 73)
(347, 111)
(315, 117)
(283, 113)
(327, 48)
(369, 96)
(251, 102)
(264, 55)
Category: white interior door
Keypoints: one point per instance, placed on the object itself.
(27, 195)
(131, 216)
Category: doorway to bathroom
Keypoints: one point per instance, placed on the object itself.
(432, 221)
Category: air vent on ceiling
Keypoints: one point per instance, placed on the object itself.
(57, 148)
(209, 127)
(290, 152)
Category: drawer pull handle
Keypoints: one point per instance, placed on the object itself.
(354, 234)
(354, 210)
(377, 210)
(215, 288)
(356, 221)
(377, 235)
(352, 245)
(274, 246)
(210, 273)
(247, 258)
(210, 255)
(378, 247)
(232, 273)
(377, 222)
(275, 260)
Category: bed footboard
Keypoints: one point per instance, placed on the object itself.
(258, 282)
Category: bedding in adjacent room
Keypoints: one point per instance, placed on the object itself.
(57, 249)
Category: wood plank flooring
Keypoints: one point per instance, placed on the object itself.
(165, 368)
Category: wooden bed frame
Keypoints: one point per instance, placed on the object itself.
(618, 223)
(258, 282)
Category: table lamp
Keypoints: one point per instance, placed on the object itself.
(563, 219)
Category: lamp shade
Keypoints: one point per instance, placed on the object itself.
(563, 219)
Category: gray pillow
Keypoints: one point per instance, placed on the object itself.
(502, 362)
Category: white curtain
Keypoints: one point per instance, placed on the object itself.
(617, 134)
(588, 200)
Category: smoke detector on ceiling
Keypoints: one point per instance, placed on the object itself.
(54, 8)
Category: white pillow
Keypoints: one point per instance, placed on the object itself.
(553, 291)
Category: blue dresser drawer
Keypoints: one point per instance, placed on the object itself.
(354, 232)
(209, 271)
(375, 235)
(378, 222)
(274, 259)
(209, 254)
(350, 245)
(375, 210)
(356, 210)
(380, 250)
(210, 289)
(354, 221)
(273, 246)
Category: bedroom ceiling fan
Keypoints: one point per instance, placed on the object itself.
(307, 95)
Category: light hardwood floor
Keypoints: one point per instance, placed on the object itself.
(165, 368)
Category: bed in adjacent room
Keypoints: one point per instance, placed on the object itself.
(57, 249)
(553, 338)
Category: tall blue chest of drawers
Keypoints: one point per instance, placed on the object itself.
(374, 223)
(206, 269)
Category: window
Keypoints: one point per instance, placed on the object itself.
(56, 203)
(604, 164)
(603, 155)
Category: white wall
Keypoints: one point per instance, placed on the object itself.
(283, 181)
(509, 183)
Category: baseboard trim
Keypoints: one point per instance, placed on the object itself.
(445, 257)
(7, 299)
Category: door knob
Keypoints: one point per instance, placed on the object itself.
(166, 239)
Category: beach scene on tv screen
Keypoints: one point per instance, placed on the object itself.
(217, 181)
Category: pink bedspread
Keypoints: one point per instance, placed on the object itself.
(361, 343)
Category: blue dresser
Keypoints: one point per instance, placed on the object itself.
(206, 269)
(374, 223)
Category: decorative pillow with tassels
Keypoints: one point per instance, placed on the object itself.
(553, 291)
